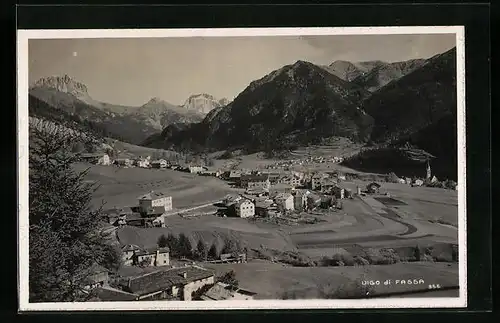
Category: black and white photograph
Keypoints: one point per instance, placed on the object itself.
(255, 167)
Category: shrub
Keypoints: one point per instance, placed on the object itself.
(358, 260)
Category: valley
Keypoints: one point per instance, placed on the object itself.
(320, 177)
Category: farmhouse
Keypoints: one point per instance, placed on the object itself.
(161, 163)
(222, 291)
(155, 203)
(285, 201)
(96, 158)
(176, 283)
(152, 257)
(244, 208)
(255, 181)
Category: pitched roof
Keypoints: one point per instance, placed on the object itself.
(152, 251)
(130, 247)
(107, 293)
(163, 279)
(152, 196)
(254, 177)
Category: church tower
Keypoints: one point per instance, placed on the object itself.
(429, 174)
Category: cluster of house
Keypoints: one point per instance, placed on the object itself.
(151, 212)
(142, 162)
(167, 283)
(305, 161)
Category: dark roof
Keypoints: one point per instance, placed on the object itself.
(156, 210)
(151, 251)
(255, 178)
(133, 216)
(152, 196)
(374, 184)
(112, 294)
(164, 279)
(130, 247)
(281, 186)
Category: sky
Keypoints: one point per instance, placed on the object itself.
(131, 71)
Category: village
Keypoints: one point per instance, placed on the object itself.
(274, 194)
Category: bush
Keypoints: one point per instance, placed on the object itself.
(360, 261)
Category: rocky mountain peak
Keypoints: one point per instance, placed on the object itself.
(203, 103)
(63, 83)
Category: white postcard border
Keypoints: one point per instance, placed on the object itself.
(23, 166)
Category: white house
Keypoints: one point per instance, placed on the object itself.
(152, 257)
(196, 169)
(285, 201)
(155, 201)
(244, 208)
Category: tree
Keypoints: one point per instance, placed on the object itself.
(213, 253)
(185, 248)
(162, 241)
(173, 244)
(231, 246)
(201, 250)
(65, 240)
(229, 278)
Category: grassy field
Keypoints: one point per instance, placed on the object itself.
(271, 280)
(210, 229)
(120, 187)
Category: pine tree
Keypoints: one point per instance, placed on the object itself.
(201, 250)
(185, 247)
(213, 253)
(162, 241)
(65, 239)
(173, 244)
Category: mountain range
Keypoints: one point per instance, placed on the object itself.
(128, 123)
(371, 102)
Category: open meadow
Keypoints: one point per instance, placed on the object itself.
(120, 187)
